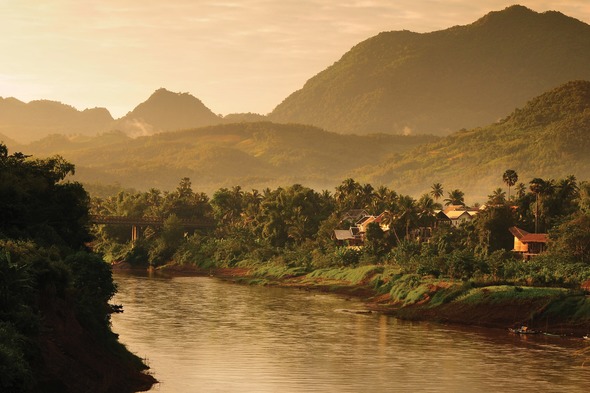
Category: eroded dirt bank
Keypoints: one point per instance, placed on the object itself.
(72, 360)
(563, 314)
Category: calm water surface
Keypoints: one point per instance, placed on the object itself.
(200, 334)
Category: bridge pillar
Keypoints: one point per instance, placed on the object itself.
(135, 233)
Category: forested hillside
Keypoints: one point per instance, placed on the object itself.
(252, 155)
(440, 82)
(549, 137)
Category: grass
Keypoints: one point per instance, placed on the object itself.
(353, 276)
(278, 271)
(502, 293)
(571, 307)
(408, 289)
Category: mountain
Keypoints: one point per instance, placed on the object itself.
(34, 120)
(443, 81)
(252, 155)
(549, 138)
(165, 111)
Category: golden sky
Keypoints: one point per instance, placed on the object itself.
(234, 55)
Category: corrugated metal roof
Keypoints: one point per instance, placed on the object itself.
(343, 234)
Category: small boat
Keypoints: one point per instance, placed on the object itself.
(522, 330)
(587, 337)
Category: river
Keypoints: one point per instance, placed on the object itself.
(200, 334)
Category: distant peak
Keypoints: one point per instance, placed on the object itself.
(510, 13)
(519, 13)
(163, 93)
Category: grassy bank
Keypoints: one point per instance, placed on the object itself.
(411, 296)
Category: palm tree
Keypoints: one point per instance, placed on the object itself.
(437, 191)
(568, 188)
(455, 197)
(510, 177)
(347, 194)
(388, 219)
(406, 212)
(498, 197)
(366, 194)
(521, 190)
(540, 188)
(426, 207)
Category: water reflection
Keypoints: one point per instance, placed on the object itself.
(200, 334)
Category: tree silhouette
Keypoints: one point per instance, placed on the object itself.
(455, 197)
(540, 188)
(510, 177)
(437, 191)
(498, 197)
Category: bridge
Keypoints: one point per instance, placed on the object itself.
(137, 222)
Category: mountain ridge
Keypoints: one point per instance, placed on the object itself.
(164, 111)
(549, 137)
(442, 81)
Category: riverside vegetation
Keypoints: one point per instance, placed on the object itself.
(54, 320)
(54, 292)
(462, 274)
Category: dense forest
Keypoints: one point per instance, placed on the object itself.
(54, 292)
(290, 230)
(442, 81)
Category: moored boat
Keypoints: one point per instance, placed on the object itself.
(522, 330)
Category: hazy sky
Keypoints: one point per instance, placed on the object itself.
(234, 55)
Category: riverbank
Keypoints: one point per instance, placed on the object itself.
(558, 311)
(74, 360)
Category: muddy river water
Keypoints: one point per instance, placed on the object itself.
(200, 334)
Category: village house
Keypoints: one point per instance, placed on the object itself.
(354, 236)
(455, 215)
(528, 244)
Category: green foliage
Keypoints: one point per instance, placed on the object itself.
(449, 294)
(408, 289)
(276, 269)
(570, 307)
(93, 285)
(42, 268)
(346, 256)
(351, 275)
(36, 204)
(16, 373)
(572, 239)
(503, 293)
(404, 255)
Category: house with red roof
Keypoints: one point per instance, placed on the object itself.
(528, 244)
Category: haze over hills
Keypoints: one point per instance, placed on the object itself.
(252, 155)
(37, 119)
(439, 82)
(166, 111)
(162, 111)
(549, 137)
(395, 82)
